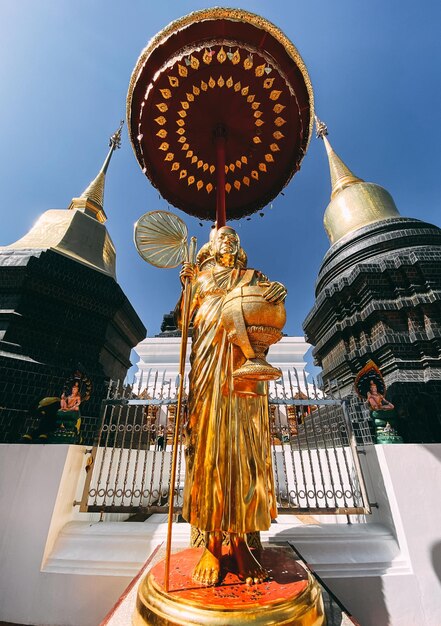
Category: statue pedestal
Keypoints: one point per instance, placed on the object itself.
(291, 596)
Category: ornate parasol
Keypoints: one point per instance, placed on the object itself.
(220, 107)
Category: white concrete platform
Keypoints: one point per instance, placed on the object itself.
(62, 568)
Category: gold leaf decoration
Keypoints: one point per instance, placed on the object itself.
(185, 105)
(262, 167)
(205, 167)
(211, 83)
(227, 187)
(169, 156)
(200, 184)
(279, 121)
(278, 108)
(255, 106)
(255, 174)
(245, 91)
(238, 163)
(268, 83)
(274, 147)
(182, 113)
(180, 131)
(232, 167)
(250, 98)
(226, 169)
(246, 181)
(248, 63)
(182, 174)
(244, 159)
(259, 122)
(160, 120)
(221, 55)
(174, 82)
(185, 146)
(164, 146)
(162, 133)
(274, 95)
(189, 154)
(209, 188)
(269, 158)
(196, 90)
(229, 83)
(237, 86)
(190, 97)
(260, 70)
(237, 184)
(175, 166)
(162, 107)
(206, 57)
(182, 139)
(166, 93)
(182, 70)
(257, 114)
(212, 168)
(180, 122)
(220, 81)
(190, 180)
(256, 139)
(200, 163)
(204, 85)
(236, 57)
(194, 62)
(278, 135)
(194, 159)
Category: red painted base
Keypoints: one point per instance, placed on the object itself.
(290, 596)
(287, 580)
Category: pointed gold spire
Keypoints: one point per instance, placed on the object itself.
(91, 200)
(354, 203)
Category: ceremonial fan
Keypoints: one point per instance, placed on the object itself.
(161, 239)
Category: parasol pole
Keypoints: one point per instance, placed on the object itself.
(191, 254)
(220, 136)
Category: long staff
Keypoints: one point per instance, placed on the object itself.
(182, 356)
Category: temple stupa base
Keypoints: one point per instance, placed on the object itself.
(291, 596)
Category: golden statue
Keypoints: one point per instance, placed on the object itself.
(229, 480)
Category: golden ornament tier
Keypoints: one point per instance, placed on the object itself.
(290, 597)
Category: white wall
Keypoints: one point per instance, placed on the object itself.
(30, 478)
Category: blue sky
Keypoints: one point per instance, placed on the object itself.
(64, 71)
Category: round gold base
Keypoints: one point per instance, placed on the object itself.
(290, 598)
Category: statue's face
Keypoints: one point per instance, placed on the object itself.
(373, 387)
(226, 246)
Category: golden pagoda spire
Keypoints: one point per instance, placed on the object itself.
(354, 202)
(91, 200)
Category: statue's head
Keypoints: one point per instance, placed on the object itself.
(226, 246)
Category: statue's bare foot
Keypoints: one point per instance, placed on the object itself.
(249, 569)
(207, 571)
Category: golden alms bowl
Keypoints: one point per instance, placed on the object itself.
(253, 324)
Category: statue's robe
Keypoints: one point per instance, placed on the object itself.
(229, 483)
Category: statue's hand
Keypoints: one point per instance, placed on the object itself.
(187, 271)
(275, 293)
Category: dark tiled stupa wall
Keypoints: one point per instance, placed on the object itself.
(56, 313)
(378, 297)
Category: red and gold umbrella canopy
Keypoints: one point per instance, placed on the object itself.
(220, 89)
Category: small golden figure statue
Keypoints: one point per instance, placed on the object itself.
(229, 481)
